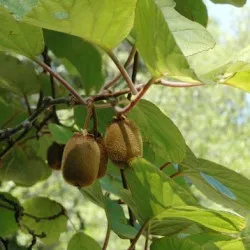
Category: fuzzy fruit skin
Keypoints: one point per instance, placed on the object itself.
(123, 141)
(103, 157)
(54, 155)
(81, 159)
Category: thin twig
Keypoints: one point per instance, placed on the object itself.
(137, 98)
(146, 240)
(116, 79)
(134, 71)
(176, 174)
(95, 121)
(142, 229)
(165, 165)
(177, 84)
(132, 218)
(123, 72)
(47, 61)
(106, 241)
(27, 104)
(61, 80)
(88, 117)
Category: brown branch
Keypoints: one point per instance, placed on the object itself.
(123, 72)
(137, 98)
(165, 165)
(106, 241)
(142, 229)
(134, 71)
(126, 64)
(27, 104)
(176, 174)
(61, 80)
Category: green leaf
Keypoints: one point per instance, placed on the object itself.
(218, 221)
(237, 3)
(18, 37)
(23, 167)
(193, 10)
(50, 218)
(94, 194)
(173, 243)
(22, 80)
(153, 191)
(103, 22)
(84, 56)
(156, 43)
(105, 116)
(118, 221)
(216, 67)
(191, 37)
(220, 184)
(7, 216)
(158, 132)
(81, 241)
(59, 133)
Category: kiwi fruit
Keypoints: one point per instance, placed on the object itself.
(54, 155)
(81, 160)
(123, 141)
(103, 157)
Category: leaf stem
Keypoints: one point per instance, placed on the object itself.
(137, 98)
(165, 165)
(106, 241)
(141, 231)
(123, 72)
(126, 64)
(61, 80)
(88, 117)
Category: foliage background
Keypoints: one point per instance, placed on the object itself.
(214, 121)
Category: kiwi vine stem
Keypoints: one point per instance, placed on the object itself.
(61, 80)
(123, 72)
(137, 98)
(146, 240)
(131, 216)
(88, 117)
(134, 71)
(106, 241)
(141, 231)
(114, 80)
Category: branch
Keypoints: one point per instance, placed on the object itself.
(123, 72)
(61, 80)
(165, 165)
(132, 218)
(126, 64)
(177, 84)
(134, 71)
(106, 241)
(137, 98)
(142, 229)
(47, 61)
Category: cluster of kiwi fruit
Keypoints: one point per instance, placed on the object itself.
(85, 156)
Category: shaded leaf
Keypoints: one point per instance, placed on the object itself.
(23, 167)
(50, 218)
(81, 241)
(85, 57)
(59, 133)
(237, 3)
(7, 215)
(22, 80)
(193, 10)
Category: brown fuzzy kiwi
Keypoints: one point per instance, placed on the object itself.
(123, 141)
(103, 157)
(81, 159)
(54, 155)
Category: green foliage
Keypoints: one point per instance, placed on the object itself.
(83, 242)
(158, 194)
(49, 218)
